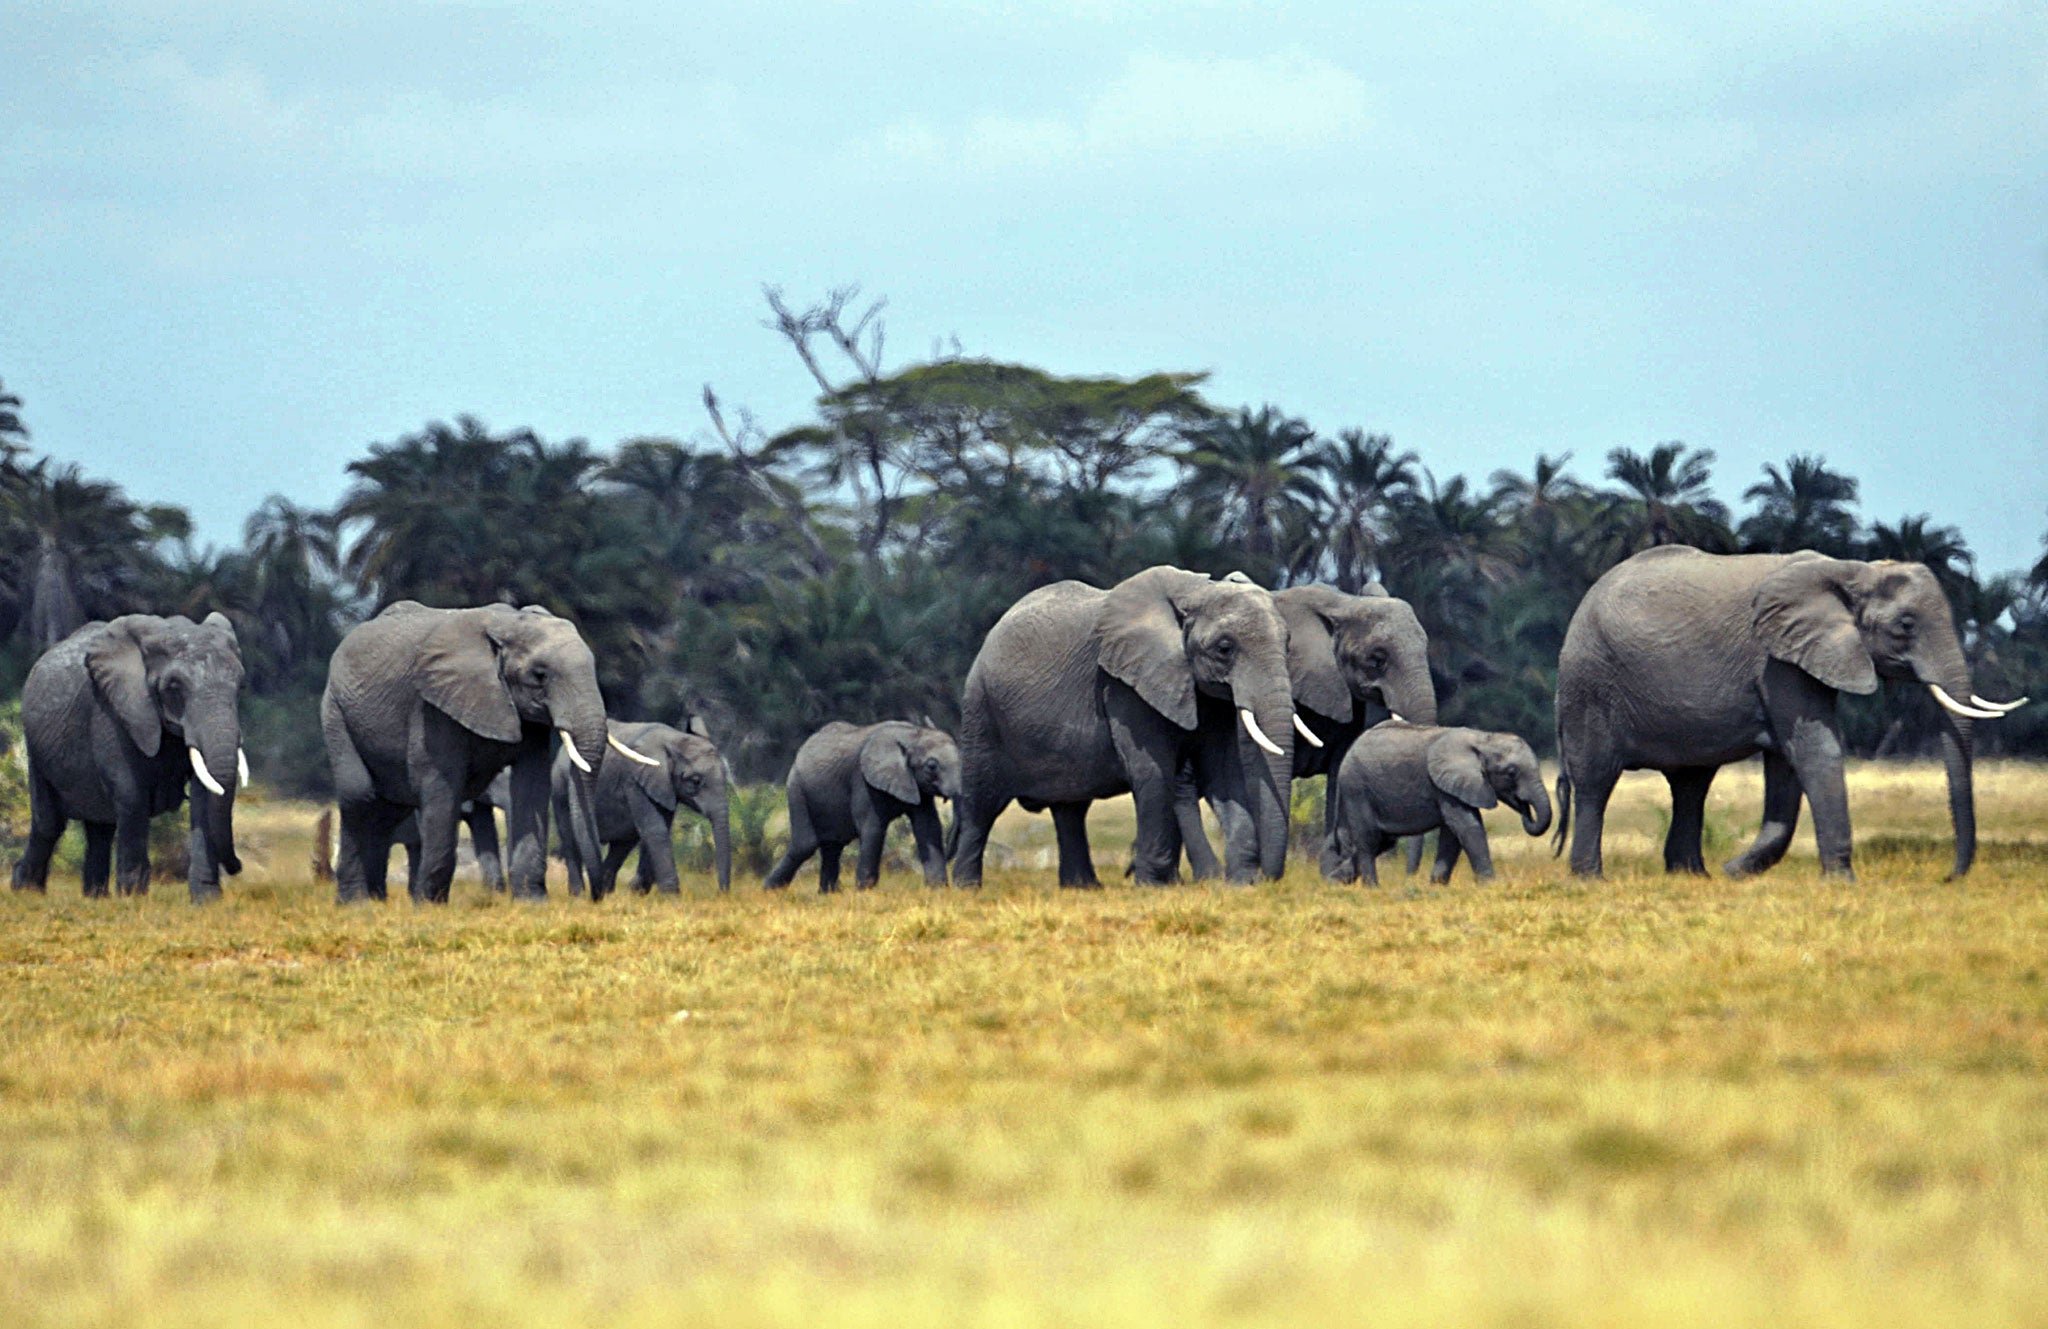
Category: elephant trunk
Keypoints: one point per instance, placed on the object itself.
(716, 812)
(215, 737)
(1535, 807)
(1947, 669)
(1267, 699)
(576, 708)
(1409, 693)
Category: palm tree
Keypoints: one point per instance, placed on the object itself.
(1665, 499)
(77, 548)
(1803, 506)
(13, 433)
(1253, 471)
(1365, 479)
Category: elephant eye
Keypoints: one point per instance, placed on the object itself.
(1225, 645)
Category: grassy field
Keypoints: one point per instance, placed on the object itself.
(1640, 1100)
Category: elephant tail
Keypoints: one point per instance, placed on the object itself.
(1564, 812)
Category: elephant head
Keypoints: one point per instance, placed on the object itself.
(1172, 635)
(1482, 769)
(1344, 650)
(173, 677)
(690, 774)
(1848, 623)
(504, 673)
(911, 763)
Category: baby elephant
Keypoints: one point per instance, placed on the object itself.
(851, 781)
(636, 806)
(1403, 779)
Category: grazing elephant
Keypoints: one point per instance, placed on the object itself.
(424, 706)
(850, 781)
(1681, 662)
(636, 806)
(1353, 660)
(119, 718)
(1079, 694)
(1404, 779)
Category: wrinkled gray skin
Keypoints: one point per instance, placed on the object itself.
(849, 782)
(1404, 779)
(424, 706)
(636, 807)
(1079, 694)
(1681, 662)
(111, 715)
(1352, 660)
(478, 815)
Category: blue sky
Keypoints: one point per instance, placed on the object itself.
(241, 242)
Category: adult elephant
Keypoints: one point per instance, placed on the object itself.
(1080, 693)
(119, 719)
(1352, 661)
(424, 706)
(637, 802)
(1681, 662)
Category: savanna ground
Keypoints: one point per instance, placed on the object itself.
(1641, 1100)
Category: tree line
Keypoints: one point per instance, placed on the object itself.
(848, 567)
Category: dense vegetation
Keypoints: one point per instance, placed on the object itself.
(848, 567)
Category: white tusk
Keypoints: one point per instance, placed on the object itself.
(1951, 704)
(643, 760)
(1306, 733)
(205, 776)
(242, 767)
(1395, 716)
(575, 757)
(2005, 707)
(1251, 727)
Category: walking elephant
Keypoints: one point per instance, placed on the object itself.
(1353, 660)
(1080, 693)
(126, 720)
(850, 782)
(637, 802)
(424, 706)
(1681, 662)
(1404, 779)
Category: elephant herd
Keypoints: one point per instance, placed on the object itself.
(1171, 686)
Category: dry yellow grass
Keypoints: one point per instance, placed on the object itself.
(1642, 1100)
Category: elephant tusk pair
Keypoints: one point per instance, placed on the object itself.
(242, 767)
(644, 761)
(1251, 727)
(1955, 707)
(575, 757)
(2002, 707)
(205, 776)
(1306, 733)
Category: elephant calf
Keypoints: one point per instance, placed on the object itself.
(851, 781)
(636, 806)
(1403, 779)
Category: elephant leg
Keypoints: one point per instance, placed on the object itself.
(1371, 844)
(407, 837)
(483, 837)
(1203, 864)
(434, 869)
(605, 879)
(99, 858)
(1689, 787)
(974, 816)
(1801, 711)
(1077, 860)
(203, 878)
(1462, 829)
(654, 835)
(828, 868)
(803, 842)
(931, 842)
(131, 851)
(572, 862)
(872, 826)
(46, 822)
(1590, 791)
(643, 876)
(1447, 850)
(1411, 851)
(1781, 819)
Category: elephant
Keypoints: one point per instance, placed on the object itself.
(480, 815)
(850, 781)
(424, 706)
(1080, 693)
(124, 720)
(1404, 779)
(1353, 660)
(1681, 661)
(636, 806)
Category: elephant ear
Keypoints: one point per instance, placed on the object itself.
(885, 765)
(1319, 683)
(114, 659)
(1457, 768)
(696, 726)
(1142, 646)
(458, 674)
(1804, 615)
(656, 782)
